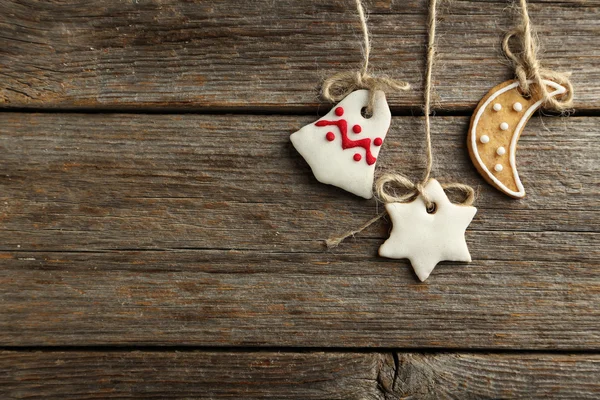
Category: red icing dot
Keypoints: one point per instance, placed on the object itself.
(356, 129)
(330, 136)
(348, 143)
(357, 157)
(339, 111)
(377, 141)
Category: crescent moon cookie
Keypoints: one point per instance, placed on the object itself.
(342, 147)
(496, 125)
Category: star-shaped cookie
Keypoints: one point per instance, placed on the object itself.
(428, 238)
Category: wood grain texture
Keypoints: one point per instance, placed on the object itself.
(207, 230)
(205, 375)
(265, 55)
(497, 376)
(119, 231)
(289, 375)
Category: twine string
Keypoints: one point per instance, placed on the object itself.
(403, 189)
(397, 188)
(338, 86)
(335, 241)
(528, 67)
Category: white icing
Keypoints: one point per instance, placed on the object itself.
(426, 239)
(504, 126)
(500, 151)
(484, 139)
(497, 107)
(518, 107)
(329, 162)
(558, 89)
(498, 167)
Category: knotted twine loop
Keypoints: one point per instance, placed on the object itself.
(397, 188)
(402, 189)
(528, 67)
(340, 85)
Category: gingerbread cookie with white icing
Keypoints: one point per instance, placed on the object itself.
(495, 129)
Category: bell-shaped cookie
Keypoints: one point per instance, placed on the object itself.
(342, 147)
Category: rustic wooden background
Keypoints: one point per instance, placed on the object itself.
(160, 237)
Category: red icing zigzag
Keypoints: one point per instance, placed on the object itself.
(348, 143)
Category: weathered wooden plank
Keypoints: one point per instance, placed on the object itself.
(73, 183)
(354, 299)
(208, 230)
(93, 183)
(497, 376)
(269, 55)
(190, 374)
(469, 49)
(179, 54)
(215, 375)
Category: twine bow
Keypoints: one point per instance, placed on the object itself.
(396, 188)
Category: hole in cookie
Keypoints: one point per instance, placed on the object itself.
(365, 114)
(432, 209)
(526, 96)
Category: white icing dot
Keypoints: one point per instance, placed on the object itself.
(484, 139)
(518, 107)
(500, 151)
(498, 167)
(497, 107)
(504, 126)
